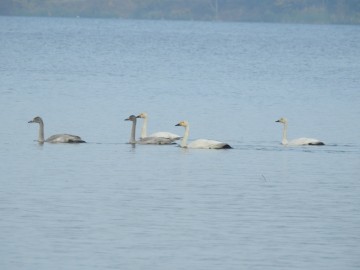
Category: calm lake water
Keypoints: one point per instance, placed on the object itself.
(108, 205)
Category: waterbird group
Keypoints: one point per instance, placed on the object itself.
(163, 138)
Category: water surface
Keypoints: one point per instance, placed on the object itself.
(108, 205)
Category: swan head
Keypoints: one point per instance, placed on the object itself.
(36, 119)
(142, 115)
(282, 120)
(182, 124)
(131, 118)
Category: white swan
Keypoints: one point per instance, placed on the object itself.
(299, 141)
(147, 140)
(200, 143)
(58, 138)
(161, 134)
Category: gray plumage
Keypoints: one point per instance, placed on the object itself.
(147, 140)
(58, 138)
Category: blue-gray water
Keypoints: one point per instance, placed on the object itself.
(107, 205)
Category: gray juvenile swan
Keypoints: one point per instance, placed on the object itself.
(162, 134)
(200, 143)
(147, 140)
(299, 141)
(58, 138)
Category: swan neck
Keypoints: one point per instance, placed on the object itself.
(144, 128)
(186, 136)
(133, 130)
(41, 132)
(284, 135)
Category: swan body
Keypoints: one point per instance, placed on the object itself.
(200, 143)
(146, 140)
(167, 135)
(299, 141)
(58, 138)
(161, 134)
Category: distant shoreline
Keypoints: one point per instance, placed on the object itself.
(295, 11)
(195, 20)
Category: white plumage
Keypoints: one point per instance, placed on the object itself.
(146, 140)
(299, 141)
(161, 134)
(200, 143)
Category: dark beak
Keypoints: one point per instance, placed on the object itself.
(277, 121)
(177, 125)
(31, 121)
(130, 118)
(138, 116)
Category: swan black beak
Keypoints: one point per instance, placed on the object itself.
(131, 118)
(31, 121)
(177, 125)
(277, 121)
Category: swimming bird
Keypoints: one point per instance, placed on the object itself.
(58, 138)
(146, 140)
(200, 143)
(299, 141)
(162, 134)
